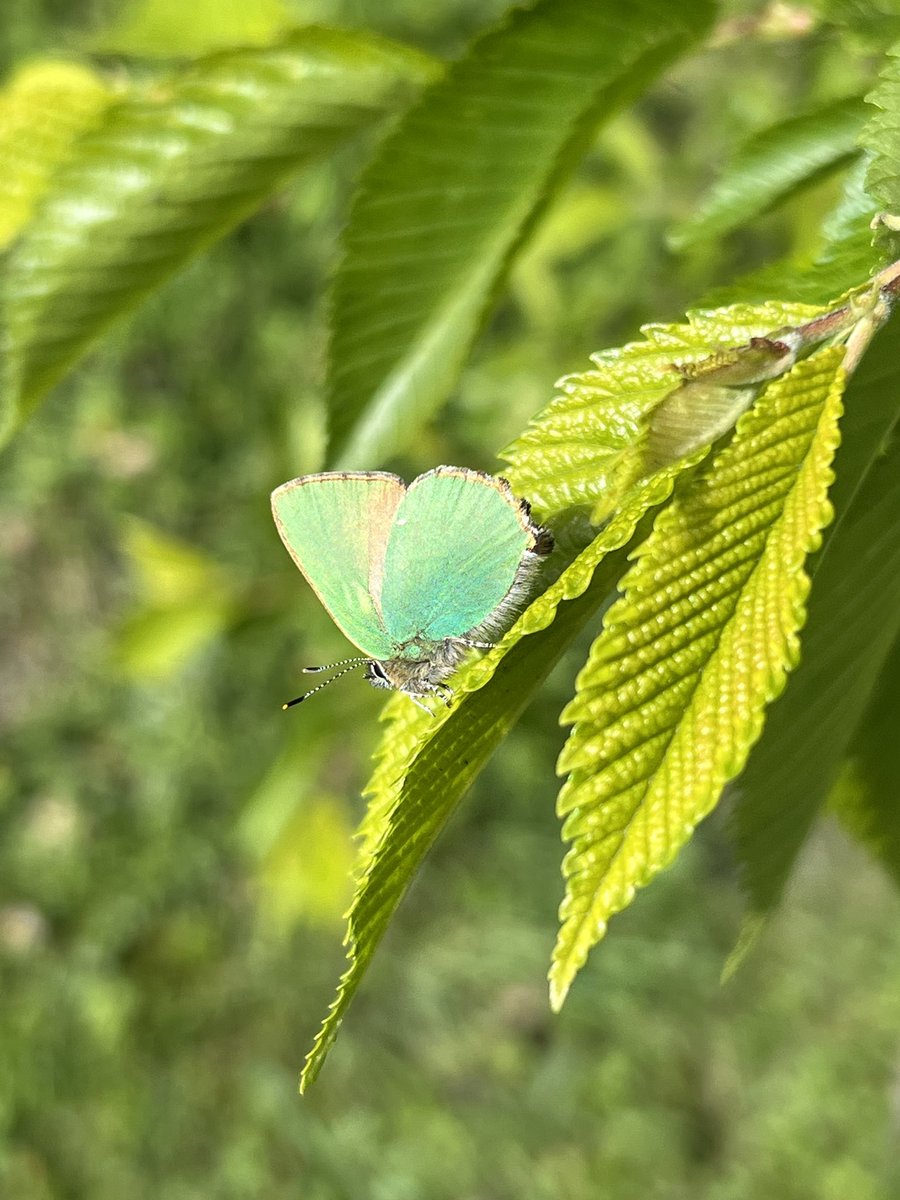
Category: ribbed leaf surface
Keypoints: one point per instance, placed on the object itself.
(43, 109)
(426, 764)
(166, 173)
(854, 612)
(452, 192)
(881, 137)
(589, 444)
(674, 691)
(774, 163)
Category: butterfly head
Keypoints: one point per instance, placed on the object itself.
(417, 677)
(418, 669)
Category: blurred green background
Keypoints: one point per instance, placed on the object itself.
(174, 849)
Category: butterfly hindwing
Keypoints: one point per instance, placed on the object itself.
(453, 552)
(336, 527)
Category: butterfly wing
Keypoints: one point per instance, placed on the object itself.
(454, 549)
(335, 527)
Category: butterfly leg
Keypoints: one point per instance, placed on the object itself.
(439, 689)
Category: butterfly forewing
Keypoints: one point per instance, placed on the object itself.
(453, 552)
(336, 528)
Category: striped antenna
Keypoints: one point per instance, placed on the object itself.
(348, 664)
(333, 666)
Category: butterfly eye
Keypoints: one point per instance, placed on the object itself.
(377, 676)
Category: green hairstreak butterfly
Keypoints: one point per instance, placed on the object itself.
(413, 576)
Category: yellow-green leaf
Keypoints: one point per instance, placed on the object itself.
(589, 444)
(43, 109)
(425, 764)
(675, 688)
(854, 616)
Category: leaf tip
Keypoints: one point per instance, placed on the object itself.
(751, 931)
(559, 990)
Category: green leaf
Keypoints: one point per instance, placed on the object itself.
(590, 443)
(854, 612)
(874, 20)
(43, 109)
(171, 27)
(848, 252)
(675, 688)
(881, 137)
(446, 203)
(166, 173)
(773, 164)
(868, 800)
(846, 255)
(426, 764)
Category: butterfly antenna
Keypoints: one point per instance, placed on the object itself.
(353, 663)
(333, 666)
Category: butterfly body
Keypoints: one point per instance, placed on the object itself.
(420, 666)
(413, 576)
